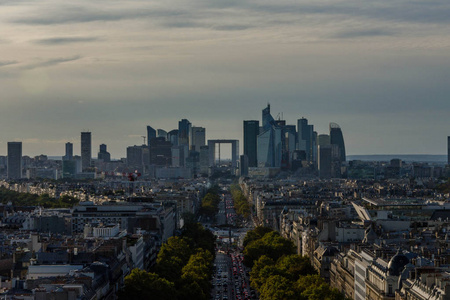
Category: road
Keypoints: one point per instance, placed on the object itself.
(231, 278)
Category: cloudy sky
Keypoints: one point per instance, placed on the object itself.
(380, 69)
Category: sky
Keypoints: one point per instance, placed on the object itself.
(380, 69)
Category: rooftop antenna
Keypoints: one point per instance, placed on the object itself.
(143, 136)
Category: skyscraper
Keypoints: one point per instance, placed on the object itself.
(151, 134)
(184, 129)
(448, 150)
(251, 131)
(69, 151)
(86, 150)
(336, 138)
(305, 138)
(162, 133)
(161, 152)
(135, 157)
(323, 139)
(14, 163)
(103, 154)
(172, 136)
(197, 138)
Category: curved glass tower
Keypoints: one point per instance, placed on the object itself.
(336, 138)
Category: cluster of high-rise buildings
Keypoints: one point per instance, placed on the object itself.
(270, 146)
(178, 153)
(275, 144)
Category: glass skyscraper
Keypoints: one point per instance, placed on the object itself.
(184, 129)
(86, 150)
(251, 131)
(336, 138)
(448, 150)
(14, 162)
(151, 134)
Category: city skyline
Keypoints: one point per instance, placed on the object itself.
(379, 70)
(226, 152)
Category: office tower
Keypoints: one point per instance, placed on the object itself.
(172, 136)
(290, 136)
(251, 131)
(314, 147)
(3, 164)
(336, 138)
(103, 154)
(325, 161)
(160, 152)
(305, 138)
(197, 138)
(204, 160)
(323, 140)
(162, 133)
(14, 163)
(328, 162)
(69, 168)
(177, 156)
(448, 150)
(267, 119)
(270, 141)
(69, 152)
(86, 150)
(192, 162)
(184, 129)
(151, 134)
(135, 157)
(265, 145)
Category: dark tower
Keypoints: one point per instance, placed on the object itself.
(336, 138)
(86, 150)
(251, 131)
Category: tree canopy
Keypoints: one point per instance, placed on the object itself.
(144, 285)
(44, 200)
(241, 204)
(185, 262)
(278, 273)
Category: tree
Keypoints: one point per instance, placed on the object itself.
(172, 257)
(174, 247)
(314, 287)
(277, 287)
(198, 270)
(192, 291)
(255, 234)
(256, 276)
(199, 237)
(294, 266)
(271, 244)
(210, 204)
(143, 285)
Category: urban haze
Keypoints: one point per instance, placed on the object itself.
(224, 150)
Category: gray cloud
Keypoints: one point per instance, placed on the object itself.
(350, 34)
(65, 14)
(65, 40)
(183, 24)
(7, 63)
(231, 27)
(52, 62)
(325, 60)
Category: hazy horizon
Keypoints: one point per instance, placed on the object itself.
(378, 69)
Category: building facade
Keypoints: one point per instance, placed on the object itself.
(86, 150)
(14, 161)
(251, 131)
